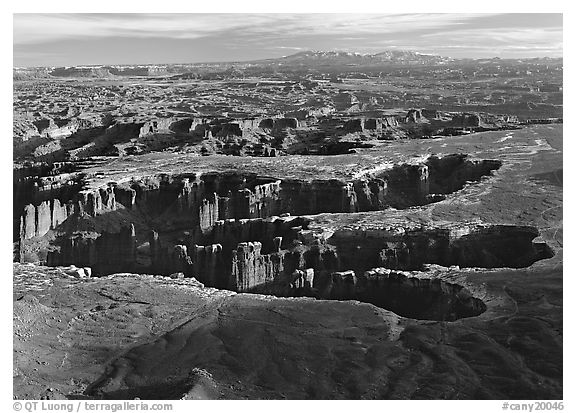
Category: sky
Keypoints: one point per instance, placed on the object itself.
(57, 39)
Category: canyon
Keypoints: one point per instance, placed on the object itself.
(192, 233)
(248, 233)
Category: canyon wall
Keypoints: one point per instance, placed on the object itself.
(105, 253)
(37, 220)
(404, 294)
(226, 230)
(233, 231)
(375, 125)
(251, 269)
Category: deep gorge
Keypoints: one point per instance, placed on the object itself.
(251, 233)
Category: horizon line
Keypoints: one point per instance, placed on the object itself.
(297, 53)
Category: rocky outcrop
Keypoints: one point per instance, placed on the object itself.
(97, 201)
(379, 124)
(466, 120)
(342, 285)
(371, 194)
(35, 183)
(28, 223)
(462, 245)
(231, 127)
(43, 218)
(234, 263)
(260, 202)
(279, 124)
(395, 255)
(451, 172)
(251, 269)
(277, 243)
(230, 232)
(200, 125)
(36, 221)
(126, 196)
(156, 126)
(303, 198)
(156, 258)
(375, 125)
(81, 71)
(105, 253)
(414, 116)
(209, 266)
(180, 261)
(208, 212)
(226, 130)
(407, 185)
(249, 123)
(55, 128)
(302, 281)
(78, 272)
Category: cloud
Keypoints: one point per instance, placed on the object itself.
(501, 40)
(290, 47)
(241, 36)
(33, 28)
(295, 25)
(533, 34)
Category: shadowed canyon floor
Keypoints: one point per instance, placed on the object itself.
(172, 338)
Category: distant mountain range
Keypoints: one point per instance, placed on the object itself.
(390, 57)
(352, 58)
(313, 60)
